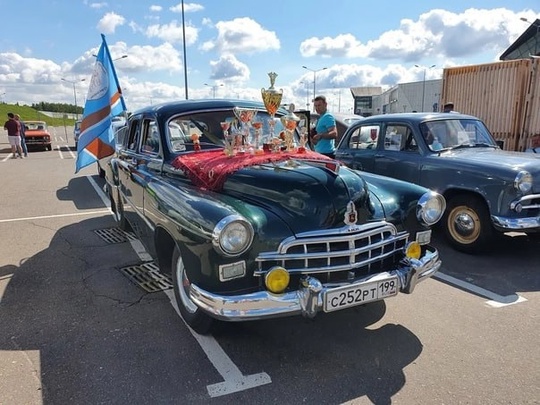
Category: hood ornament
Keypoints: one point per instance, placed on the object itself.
(351, 216)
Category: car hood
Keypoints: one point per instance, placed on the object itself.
(495, 160)
(305, 196)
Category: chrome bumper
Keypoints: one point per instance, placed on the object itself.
(308, 299)
(515, 224)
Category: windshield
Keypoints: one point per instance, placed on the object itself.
(452, 133)
(208, 127)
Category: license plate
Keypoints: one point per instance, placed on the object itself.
(358, 294)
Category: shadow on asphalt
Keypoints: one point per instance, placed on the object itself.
(76, 191)
(102, 340)
(510, 266)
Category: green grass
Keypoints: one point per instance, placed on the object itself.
(29, 114)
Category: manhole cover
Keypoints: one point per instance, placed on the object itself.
(114, 235)
(148, 277)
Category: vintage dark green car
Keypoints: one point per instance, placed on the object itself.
(263, 233)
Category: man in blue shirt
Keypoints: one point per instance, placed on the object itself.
(326, 131)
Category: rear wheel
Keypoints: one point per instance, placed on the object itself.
(193, 315)
(117, 208)
(467, 224)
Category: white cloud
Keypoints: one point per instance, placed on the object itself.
(188, 8)
(242, 35)
(98, 5)
(172, 32)
(229, 69)
(437, 33)
(155, 8)
(109, 22)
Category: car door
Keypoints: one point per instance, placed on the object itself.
(144, 164)
(398, 154)
(358, 147)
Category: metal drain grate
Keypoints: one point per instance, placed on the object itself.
(114, 235)
(148, 277)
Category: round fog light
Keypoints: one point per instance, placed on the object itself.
(413, 250)
(277, 280)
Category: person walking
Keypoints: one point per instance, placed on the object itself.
(22, 135)
(325, 135)
(13, 129)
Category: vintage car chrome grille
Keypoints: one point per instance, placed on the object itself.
(352, 251)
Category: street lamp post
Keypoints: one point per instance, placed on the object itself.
(2, 97)
(314, 78)
(214, 88)
(73, 82)
(424, 85)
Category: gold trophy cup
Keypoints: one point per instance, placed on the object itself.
(272, 100)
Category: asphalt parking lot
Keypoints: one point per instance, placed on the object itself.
(75, 328)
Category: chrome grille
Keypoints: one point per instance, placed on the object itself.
(371, 247)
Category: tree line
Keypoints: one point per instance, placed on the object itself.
(57, 107)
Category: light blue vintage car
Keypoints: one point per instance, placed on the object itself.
(488, 190)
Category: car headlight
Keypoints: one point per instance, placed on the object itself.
(430, 208)
(232, 235)
(523, 182)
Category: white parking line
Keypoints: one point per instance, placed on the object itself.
(496, 300)
(233, 379)
(74, 214)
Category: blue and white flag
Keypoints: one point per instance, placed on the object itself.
(104, 101)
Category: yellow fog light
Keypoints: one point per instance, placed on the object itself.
(413, 250)
(277, 280)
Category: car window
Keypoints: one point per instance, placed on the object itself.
(134, 136)
(364, 137)
(150, 138)
(400, 137)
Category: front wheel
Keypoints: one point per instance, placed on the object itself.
(193, 315)
(467, 224)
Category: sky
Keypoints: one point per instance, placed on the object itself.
(47, 46)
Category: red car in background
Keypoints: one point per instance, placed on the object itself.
(37, 134)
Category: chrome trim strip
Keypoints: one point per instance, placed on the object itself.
(521, 200)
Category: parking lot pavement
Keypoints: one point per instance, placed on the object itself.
(76, 329)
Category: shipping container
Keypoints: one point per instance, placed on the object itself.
(505, 95)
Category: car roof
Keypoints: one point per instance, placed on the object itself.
(416, 117)
(187, 106)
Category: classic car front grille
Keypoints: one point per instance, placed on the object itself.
(343, 253)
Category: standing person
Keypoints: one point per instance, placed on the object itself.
(13, 127)
(449, 107)
(22, 135)
(325, 135)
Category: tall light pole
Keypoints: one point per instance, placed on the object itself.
(424, 84)
(2, 97)
(214, 88)
(184, 46)
(314, 78)
(537, 25)
(307, 94)
(74, 82)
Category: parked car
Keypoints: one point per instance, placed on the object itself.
(77, 132)
(37, 134)
(488, 190)
(268, 234)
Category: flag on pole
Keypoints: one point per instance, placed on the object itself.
(104, 101)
